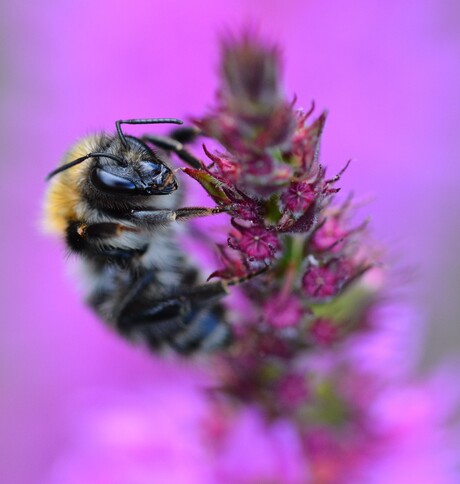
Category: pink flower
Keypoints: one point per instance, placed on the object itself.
(235, 264)
(250, 71)
(258, 243)
(306, 140)
(323, 332)
(298, 197)
(258, 165)
(293, 391)
(282, 311)
(224, 166)
(329, 235)
(327, 280)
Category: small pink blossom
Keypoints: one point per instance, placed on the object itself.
(256, 242)
(282, 311)
(247, 211)
(234, 263)
(293, 390)
(324, 332)
(224, 166)
(258, 165)
(329, 235)
(298, 197)
(327, 280)
(306, 140)
(250, 74)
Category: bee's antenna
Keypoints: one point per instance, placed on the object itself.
(66, 166)
(143, 121)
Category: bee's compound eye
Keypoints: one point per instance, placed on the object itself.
(151, 168)
(109, 182)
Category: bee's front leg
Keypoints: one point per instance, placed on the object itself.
(159, 217)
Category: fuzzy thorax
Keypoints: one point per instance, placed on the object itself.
(64, 196)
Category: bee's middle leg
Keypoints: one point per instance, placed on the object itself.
(187, 320)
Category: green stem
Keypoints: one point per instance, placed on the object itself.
(293, 264)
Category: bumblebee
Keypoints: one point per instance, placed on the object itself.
(114, 200)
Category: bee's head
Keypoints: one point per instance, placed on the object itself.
(119, 169)
(131, 168)
(123, 166)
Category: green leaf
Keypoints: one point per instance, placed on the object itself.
(212, 185)
(348, 306)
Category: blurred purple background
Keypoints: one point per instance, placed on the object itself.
(387, 71)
